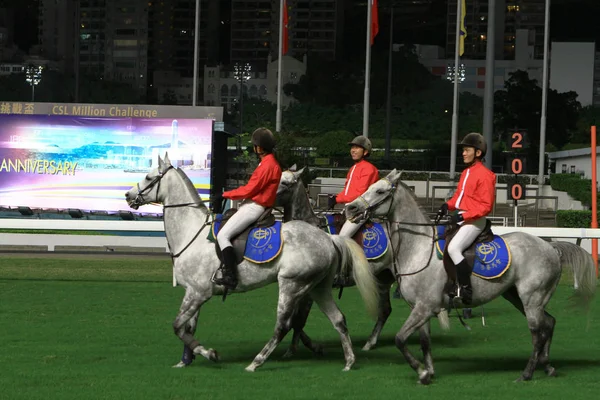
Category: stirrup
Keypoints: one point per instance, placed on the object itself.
(458, 299)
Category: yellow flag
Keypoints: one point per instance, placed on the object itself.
(463, 30)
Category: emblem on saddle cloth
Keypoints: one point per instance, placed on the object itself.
(492, 259)
(374, 240)
(263, 244)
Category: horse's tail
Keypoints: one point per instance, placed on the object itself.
(582, 264)
(354, 258)
(444, 319)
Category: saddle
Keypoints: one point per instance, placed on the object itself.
(266, 220)
(485, 236)
(338, 221)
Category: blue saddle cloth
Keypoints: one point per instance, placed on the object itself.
(492, 259)
(374, 239)
(263, 244)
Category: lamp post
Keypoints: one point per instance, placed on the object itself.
(33, 76)
(242, 72)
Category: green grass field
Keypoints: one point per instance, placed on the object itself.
(85, 328)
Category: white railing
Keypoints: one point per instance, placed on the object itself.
(27, 242)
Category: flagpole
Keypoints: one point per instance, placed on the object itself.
(367, 72)
(453, 141)
(196, 35)
(488, 94)
(279, 68)
(544, 97)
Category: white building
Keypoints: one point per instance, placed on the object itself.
(222, 88)
(577, 161)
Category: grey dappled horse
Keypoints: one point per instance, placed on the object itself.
(292, 196)
(305, 267)
(528, 284)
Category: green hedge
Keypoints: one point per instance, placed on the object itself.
(578, 188)
(574, 218)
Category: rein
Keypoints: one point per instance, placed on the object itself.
(156, 181)
(204, 225)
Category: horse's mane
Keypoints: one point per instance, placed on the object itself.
(188, 184)
(413, 195)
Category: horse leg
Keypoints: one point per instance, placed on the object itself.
(550, 323)
(418, 316)
(543, 334)
(290, 295)
(190, 308)
(425, 340)
(298, 324)
(324, 299)
(385, 309)
(188, 354)
(541, 328)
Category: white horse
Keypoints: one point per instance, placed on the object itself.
(305, 267)
(292, 196)
(528, 284)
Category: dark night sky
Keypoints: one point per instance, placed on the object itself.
(571, 20)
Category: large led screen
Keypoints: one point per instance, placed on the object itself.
(89, 163)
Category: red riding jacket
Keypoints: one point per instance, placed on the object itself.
(262, 186)
(362, 175)
(475, 193)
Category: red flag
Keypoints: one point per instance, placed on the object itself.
(285, 27)
(374, 21)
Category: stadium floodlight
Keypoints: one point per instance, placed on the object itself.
(33, 76)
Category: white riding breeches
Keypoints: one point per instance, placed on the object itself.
(349, 229)
(465, 237)
(246, 215)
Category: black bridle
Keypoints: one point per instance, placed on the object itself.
(139, 200)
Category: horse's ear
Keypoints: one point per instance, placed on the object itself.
(161, 163)
(167, 161)
(299, 173)
(394, 176)
(293, 168)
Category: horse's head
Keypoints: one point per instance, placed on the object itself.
(287, 185)
(147, 191)
(376, 201)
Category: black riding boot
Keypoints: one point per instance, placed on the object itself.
(229, 272)
(465, 291)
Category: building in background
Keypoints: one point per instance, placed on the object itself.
(473, 72)
(57, 32)
(511, 15)
(126, 43)
(314, 26)
(221, 88)
(8, 49)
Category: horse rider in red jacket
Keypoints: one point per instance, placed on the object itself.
(362, 175)
(474, 200)
(258, 195)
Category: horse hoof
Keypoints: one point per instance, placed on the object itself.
(368, 346)
(424, 377)
(522, 379)
(213, 356)
(319, 350)
(347, 368)
(289, 354)
(180, 364)
(550, 371)
(251, 368)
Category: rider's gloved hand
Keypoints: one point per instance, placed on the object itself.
(331, 201)
(455, 219)
(443, 211)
